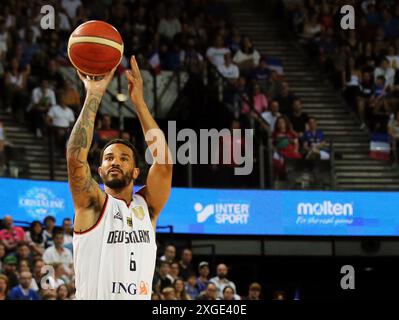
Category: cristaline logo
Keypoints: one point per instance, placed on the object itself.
(325, 208)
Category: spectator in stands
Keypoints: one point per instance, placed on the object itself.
(247, 57)
(221, 280)
(10, 270)
(163, 278)
(60, 119)
(68, 232)
(228, 69)
(5, 39)
(3, 160)
(351, 78)
(43, 98)
(254, 291)
(62, 292)
(71, 289)
(23, 252)
(169, 26)
(37, 274)
(393, 126)
(49, 294)
(387, 72)
(259, 101)
(192, 287)
(106, 131)
(59, 254)
(59, 276)
(185, 263)
(203, 279)
(228, 293)
(261, 75)
(168, 293)
(234, 41)
(54, 76)
(3, 287)
(233, 96)
(272, 115)
(275, 86)
(71, 7)
(71, 97)
(210, 292)
(285, 99)
(216, 53)
(174, 270)
(279, 295)
(191, 59)
(285, 139)
(380, 108)
(180, 290)
(393, 131)
(314, 143)
(169, 254)
(327, 48)
(23, 265)
(15, 83)
(366, 92)
(10, 235)
(23, 291)
(2, 255)
(49, 225)
(311, 28)
(35, 238)
(298, 118)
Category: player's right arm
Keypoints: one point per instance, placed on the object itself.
(88, 198)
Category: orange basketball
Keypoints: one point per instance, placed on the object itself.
(95, 48)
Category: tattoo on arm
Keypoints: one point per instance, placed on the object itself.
(78, 148)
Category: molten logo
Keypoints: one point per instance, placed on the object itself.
(325, 208)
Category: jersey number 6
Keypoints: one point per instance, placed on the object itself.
(132, 262)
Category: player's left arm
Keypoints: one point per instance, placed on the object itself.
(159, 179)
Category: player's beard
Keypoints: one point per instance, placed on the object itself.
(118, 183)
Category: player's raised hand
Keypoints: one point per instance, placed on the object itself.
(135, 82)
(97, 87)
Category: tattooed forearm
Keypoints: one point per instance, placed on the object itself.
(82, 133)
(80, 179)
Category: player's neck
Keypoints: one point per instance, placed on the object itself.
(125, 194)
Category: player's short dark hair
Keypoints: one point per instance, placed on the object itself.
(120, 141)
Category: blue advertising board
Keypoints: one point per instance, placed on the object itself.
(231, 212)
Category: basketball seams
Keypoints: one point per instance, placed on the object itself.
(97, 36)
(75, 54)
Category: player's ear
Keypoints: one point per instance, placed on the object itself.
(99, 170)
(136, 172)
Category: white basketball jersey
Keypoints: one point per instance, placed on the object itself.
(115, 259)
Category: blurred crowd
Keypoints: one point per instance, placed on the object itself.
(37, 264)
(195, 36)
(362, 62)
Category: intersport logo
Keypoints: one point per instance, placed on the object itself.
(224, 213)
(325, 208)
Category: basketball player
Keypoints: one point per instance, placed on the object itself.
(114, 241)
